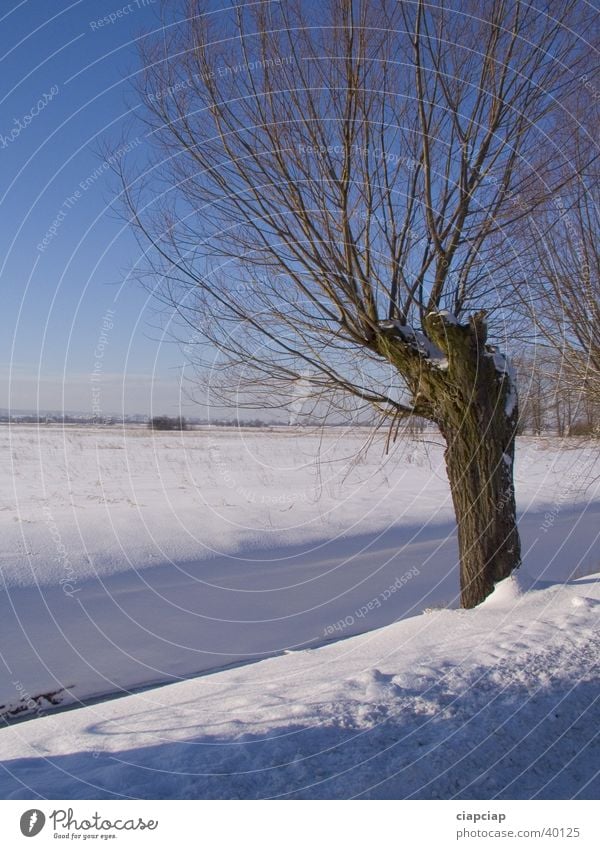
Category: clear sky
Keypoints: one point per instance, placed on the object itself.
(64, 253)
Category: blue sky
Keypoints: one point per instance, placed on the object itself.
(64, 254)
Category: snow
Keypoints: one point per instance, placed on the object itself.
(511, 399)
(418, 340)
(447, 316)
(131, 559)
(504, 366)
(496, 703)
(501, 362)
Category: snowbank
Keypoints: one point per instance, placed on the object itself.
(498, 702)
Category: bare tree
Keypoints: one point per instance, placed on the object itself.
(534, 395)
(550, 401)
(566, 311)
(334, 193)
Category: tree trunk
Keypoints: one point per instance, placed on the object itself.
(479, 464)
(477, 415)
(466, 387)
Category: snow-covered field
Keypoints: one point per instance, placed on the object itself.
(499, 702)
(131, 558)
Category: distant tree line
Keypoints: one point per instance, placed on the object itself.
(168, 423)
(552, 401)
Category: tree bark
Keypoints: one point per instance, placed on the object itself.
(467, 388)
(477, 413)
(480, 473)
